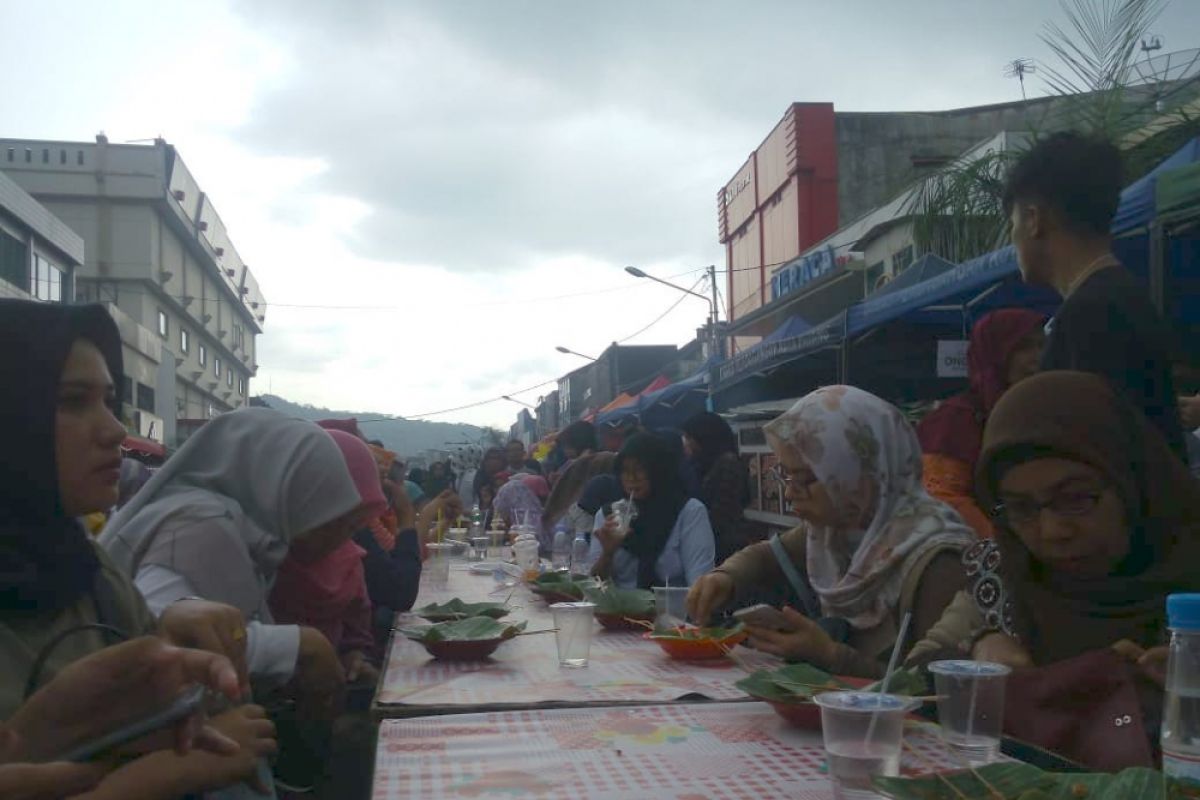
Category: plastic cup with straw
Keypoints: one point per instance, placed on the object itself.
(864, 731)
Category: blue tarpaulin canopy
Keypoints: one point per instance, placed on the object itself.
(1138, 206)
(926, 267)
(667, 397)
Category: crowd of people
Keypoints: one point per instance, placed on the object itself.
(1038, 518)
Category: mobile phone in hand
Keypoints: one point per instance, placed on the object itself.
(765, 616)
(182, 707)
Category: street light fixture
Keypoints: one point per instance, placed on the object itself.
(562, 349)
(712, 303)
(518, 402)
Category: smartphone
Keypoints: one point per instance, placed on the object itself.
(186, 704)
(764, 616)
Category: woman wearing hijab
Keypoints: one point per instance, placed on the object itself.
(217, 520)
(492, 465)
(670, 541)
(724, 480)
(61, 598)
(521, 497)
(1096, 523)
(322, 585)
(873, 545)
(1005, 348)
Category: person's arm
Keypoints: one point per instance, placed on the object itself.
(951, 635)
(756, 565)
(697, 546)
(952, 482)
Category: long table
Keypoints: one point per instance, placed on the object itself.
(740, 751)
(624, 668)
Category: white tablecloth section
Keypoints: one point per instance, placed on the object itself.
(739, 751)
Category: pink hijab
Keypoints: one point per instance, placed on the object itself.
(331, 594)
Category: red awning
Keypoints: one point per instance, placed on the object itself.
(147, 447)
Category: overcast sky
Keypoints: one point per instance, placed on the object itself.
(433, 195)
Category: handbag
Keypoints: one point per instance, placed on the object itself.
(1095, 709)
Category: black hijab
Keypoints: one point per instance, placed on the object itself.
(656, 514)
(46, 559)
(715, 438)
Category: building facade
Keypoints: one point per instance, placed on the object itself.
(620, 368)
(157, 251)
(819, 171)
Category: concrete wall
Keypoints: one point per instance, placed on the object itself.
(879, 153)
(884, 248)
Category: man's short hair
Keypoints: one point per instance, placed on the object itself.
(1077, 176)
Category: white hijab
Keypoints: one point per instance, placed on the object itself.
(866, 456)
(257, 479)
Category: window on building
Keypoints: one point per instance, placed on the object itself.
(229, 378)
(242, 386)
(239, 335)
(217, 367)
(14, 261)
(127, 390)
(902, 260)
(162, 323)
(184, 342)
(145, 398)
(202, 354)
(47, 280)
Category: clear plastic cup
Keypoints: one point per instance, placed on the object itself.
(479, 548)
(971, 707)
(574, 622)
(496, 544)
(437, 568)
(670, 607)
(864, 732)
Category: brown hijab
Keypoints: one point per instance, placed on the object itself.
(1077, 416)
(569, 488)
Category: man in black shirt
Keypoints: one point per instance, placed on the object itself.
(1061, 197)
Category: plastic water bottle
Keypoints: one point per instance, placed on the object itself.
(1181, 713)
(580, 550)
(561, 551)
(476, 517)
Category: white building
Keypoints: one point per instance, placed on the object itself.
(157, 252)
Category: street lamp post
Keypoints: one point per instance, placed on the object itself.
(518, 402)
(714, 339)
(564, 350)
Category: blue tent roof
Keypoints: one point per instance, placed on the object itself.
(1137, 206)
(793, 326)
(926, 267)
(967, 277)
(668, 395)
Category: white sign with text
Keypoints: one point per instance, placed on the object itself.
(952, 358)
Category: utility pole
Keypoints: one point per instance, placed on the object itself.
(712, 285)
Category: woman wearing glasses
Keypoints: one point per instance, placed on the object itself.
(1096, 523)
(873, 545)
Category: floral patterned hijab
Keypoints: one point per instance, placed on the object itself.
(865, 454)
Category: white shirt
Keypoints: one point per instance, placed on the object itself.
(689, 552)
(271, 650)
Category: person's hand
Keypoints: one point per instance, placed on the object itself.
(254, 732)
(320, 677)
(1152, 662)
(450, 506)
(807, 641)
(610, 535)
(118, 685)
(707, 594)
(205, 625)
(406, 513)
(1000, 648)
(358, 668)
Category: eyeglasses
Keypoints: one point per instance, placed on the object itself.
(798, 482)
(1025, 512)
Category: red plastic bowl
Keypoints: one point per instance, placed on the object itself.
(805, 715)
(463, 651)
(696, 649)
(620, 622)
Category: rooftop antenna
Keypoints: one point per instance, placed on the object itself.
(1018, 68)
(1151, 43)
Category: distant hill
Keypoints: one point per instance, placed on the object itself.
(408, 437)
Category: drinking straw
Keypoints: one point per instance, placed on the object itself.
(439, 526)
(887, 676)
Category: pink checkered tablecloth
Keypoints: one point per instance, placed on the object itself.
(734, 751)
(623, 668)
